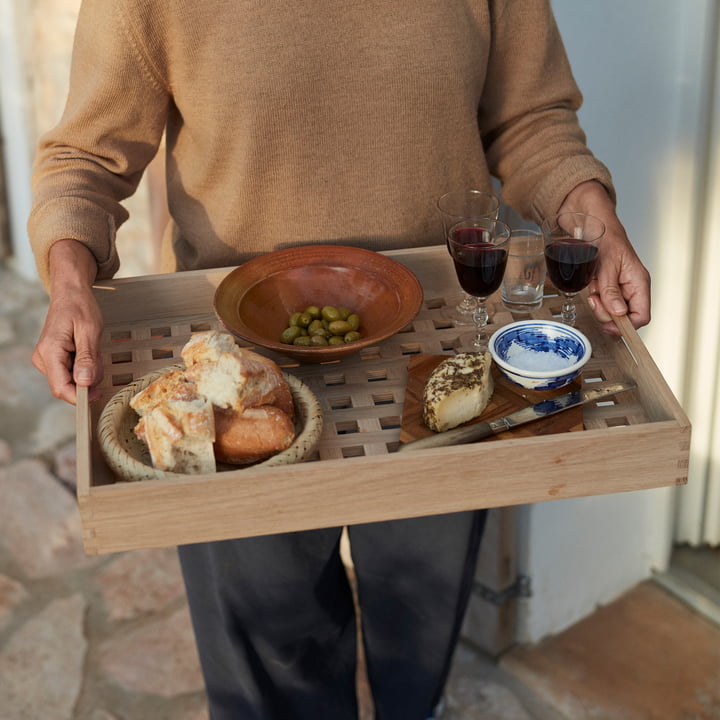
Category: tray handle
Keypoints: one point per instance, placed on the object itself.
(83, 440)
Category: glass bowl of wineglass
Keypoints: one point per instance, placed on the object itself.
(479, 249)
(571, 254)
(453, 207)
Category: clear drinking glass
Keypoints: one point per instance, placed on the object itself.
(571, 255)
(479, 251)
(524, 280)
(453, 207)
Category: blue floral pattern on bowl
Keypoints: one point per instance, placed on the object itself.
(562, 352)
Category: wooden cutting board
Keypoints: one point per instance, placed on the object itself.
(506, 398)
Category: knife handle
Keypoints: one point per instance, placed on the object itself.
(459, 436)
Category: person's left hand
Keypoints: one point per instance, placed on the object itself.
(621, 285)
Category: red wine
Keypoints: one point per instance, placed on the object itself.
(570, 264)
(479, 264)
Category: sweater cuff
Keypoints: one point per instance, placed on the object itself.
(564, 178)
(72, 218)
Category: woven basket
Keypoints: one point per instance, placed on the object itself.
(129, 457)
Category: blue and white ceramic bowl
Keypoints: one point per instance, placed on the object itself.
(539, 354)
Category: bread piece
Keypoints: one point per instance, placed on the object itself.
(173, 385)
(254, 434)
(458, 390)
(207, 345)
(240, 380)
(180, 435)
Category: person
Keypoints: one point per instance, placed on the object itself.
(310, 123)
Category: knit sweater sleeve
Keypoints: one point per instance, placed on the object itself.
(532, 138)
(110, 130)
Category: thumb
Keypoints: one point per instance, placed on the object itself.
(85, 368)
(612, 299)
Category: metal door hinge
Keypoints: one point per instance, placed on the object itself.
(520, 588)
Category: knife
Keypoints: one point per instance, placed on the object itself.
(543, 409)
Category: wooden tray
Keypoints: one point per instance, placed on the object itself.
(639, 440)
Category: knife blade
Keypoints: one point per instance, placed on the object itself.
(545, 408)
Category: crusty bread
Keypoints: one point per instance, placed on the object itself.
(251, 435)
(238, 380)
(180, 435)
(173, 385)
(457, 391)
(229, 404)
(207, 345)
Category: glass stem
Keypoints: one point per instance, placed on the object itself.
(568, 310)
(480, 317)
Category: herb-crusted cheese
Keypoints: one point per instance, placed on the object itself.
(458, 390)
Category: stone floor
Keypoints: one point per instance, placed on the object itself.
(109, 637)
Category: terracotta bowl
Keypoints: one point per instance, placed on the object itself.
(255, 301)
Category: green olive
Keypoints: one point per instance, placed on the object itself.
(302, 341)
(352, 336)
(289, 334)
(318, 341)
(336, 340)
(353, 320)
(330, 313)
(339, 327)
(316, 327)
(344, 312)
(304, 320)
(313, 311)
(294, 318)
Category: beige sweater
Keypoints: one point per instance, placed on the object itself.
(291, 123)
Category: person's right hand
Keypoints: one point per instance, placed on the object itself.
(68, 350)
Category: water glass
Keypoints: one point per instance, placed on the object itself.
(523, 284)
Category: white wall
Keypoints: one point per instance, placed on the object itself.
(15, 115)
(35, 51)
(642, 67)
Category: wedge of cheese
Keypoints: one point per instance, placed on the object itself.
(458, 390)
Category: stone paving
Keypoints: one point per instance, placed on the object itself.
(85, 638)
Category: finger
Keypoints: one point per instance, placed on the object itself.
(87, 365)
(612, 298)
(59, 377)
(85, 368)
(38, 361)
(631, 298)
(598, 309)
(639, 304)
(601, 314)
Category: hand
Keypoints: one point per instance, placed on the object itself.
(622, 283)
(67, 352)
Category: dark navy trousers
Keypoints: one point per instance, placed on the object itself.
(274, 617)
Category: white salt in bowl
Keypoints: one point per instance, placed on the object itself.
(539, 354)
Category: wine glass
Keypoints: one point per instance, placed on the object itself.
(453, 207)
(571, 255)
(479, 249)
